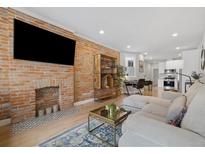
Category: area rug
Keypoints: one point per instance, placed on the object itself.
(80, 137)
(20, 127)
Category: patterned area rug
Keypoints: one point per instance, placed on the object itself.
(80, 137)
(20, 127)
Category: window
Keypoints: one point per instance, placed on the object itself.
(130, 66)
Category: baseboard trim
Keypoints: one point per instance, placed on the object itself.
(84, 102)
(5, 122)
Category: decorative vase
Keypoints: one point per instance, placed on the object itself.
(48, 110)
(55, 108)
(40, 112)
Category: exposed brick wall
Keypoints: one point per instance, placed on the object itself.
(26, 76)
(20, 78)
(4, 65)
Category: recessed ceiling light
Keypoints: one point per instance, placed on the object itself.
(179, 54)
(177, 48)
(174, 34)
(101, 32)
(145, 53)
(128, 46)
(150, 58)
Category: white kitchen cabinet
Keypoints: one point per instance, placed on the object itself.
(162, 67)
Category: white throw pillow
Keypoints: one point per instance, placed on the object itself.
(176, 110)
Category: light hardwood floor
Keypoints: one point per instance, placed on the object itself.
(34, 136)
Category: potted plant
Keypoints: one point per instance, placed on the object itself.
(112, 110)
(120, 78)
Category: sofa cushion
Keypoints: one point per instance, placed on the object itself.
(176, 110)
(158, 101)
(136, 101)
(156, 109)
(132, 119)
(194, 117)
(139, 101)
(130, 139)
(191, 92)
(153, 116)
(152, 132)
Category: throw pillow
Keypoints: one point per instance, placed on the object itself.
(176, 111)
(178, 120)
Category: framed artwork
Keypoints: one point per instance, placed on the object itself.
(141, 66)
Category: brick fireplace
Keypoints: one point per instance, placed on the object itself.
(25, 98)
(46, 97)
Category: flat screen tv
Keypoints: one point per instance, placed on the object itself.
(36, 44)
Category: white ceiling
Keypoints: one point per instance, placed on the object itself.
(145, 29)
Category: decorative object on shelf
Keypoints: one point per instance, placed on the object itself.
(203, 58)
(107, 81)
(141, 66)
(104, 82)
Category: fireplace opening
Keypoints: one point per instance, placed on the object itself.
(47, 100)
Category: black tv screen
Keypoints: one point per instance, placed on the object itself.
(36, 44)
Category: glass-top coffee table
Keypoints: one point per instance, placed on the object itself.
(113, 118)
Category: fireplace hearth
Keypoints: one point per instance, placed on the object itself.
(47, 100)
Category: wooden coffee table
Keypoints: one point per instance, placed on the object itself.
(113, 119)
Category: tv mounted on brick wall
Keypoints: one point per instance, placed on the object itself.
(36, 44)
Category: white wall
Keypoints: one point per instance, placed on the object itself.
(148, 71)
(191, 63)
(174, 64)
(152, 66)
(162, 67)
(192, 60)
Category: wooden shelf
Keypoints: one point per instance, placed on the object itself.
(104, 73)
(105, 92)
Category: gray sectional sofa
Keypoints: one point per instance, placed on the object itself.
(149, 126)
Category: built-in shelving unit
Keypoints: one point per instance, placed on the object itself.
(105, 75)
